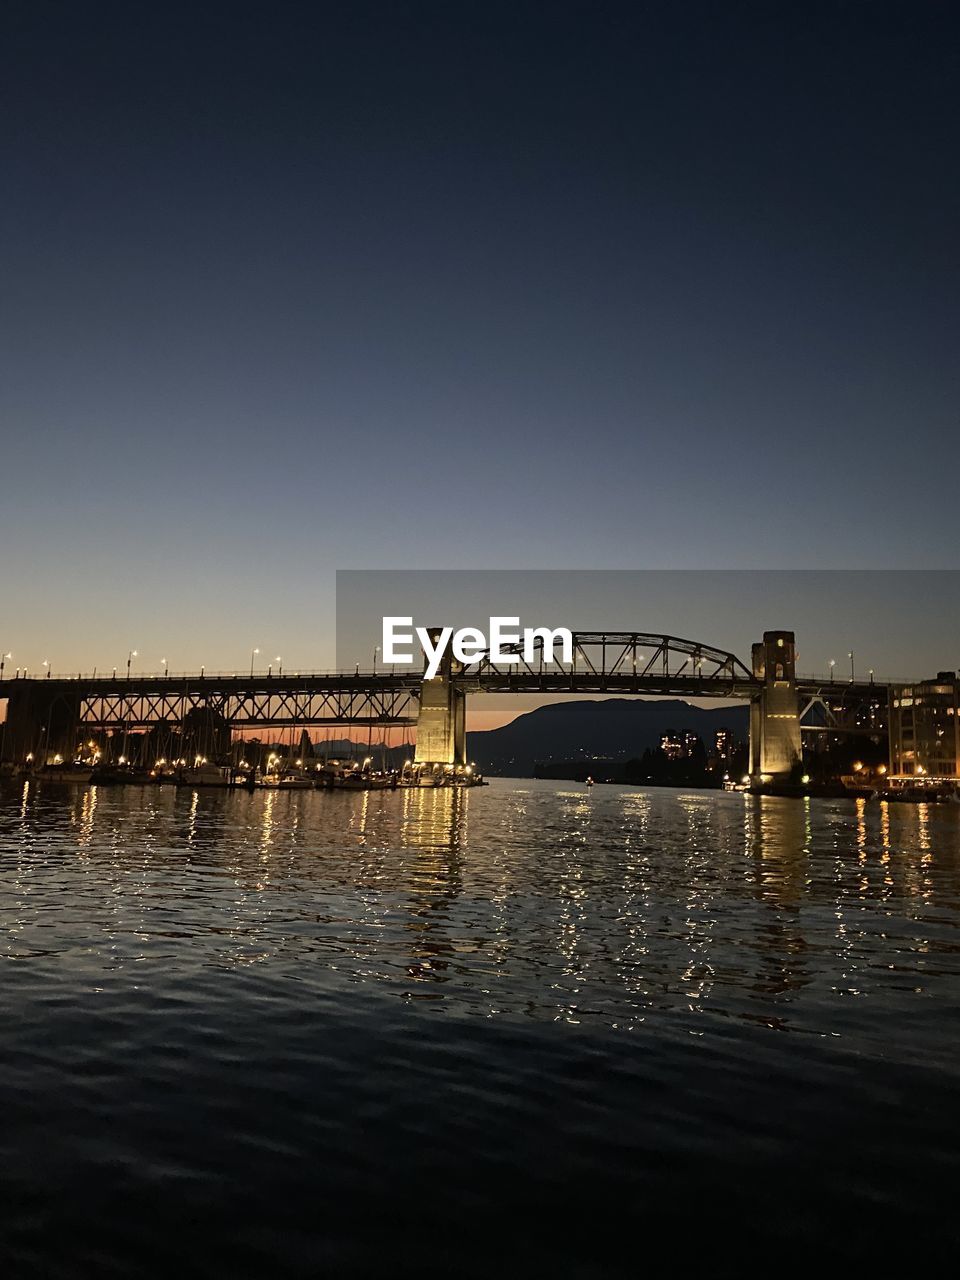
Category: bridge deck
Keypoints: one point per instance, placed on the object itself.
(366, 698)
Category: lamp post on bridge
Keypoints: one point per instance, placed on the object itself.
(375, 652)
(130, 657)
(3, 659)
(832, 664)
(852, 676)
(46, 663)
(253, 654)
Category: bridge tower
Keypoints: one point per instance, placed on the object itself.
(775, 712)
(442, 719)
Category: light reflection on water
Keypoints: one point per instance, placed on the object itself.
(522, 899)
(299, 963)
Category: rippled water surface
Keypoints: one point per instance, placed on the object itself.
(529, 1029)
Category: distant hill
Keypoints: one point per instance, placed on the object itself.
(581, 729)
(612, 728)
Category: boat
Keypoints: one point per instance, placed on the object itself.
(920, 795)
(75, 773)
(294, 782)
(920, 788)
(109, 775)
(206, 775)
(351, 777)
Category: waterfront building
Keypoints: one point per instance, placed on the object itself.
(925, 728)
(671, 744)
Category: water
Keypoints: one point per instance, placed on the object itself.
(527, 1029)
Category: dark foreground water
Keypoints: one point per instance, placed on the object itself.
(529, 1030)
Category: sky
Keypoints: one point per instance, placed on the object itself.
(292, 288)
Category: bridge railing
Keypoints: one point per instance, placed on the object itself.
(619, 667)
(206, 673)
(839, 682)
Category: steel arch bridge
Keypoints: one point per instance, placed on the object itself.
(49, 711)
(619, 662)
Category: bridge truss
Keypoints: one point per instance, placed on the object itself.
(279, 703)
(621, 662)
(851, 709)
(604, 662)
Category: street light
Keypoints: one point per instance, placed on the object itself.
(130, 657)
(279, 662)
(850, 656)
(375, 652)
(163, 663)
(253, 654)
(47, 665)
(832, 664)
(3, 658)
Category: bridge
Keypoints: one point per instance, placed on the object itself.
(49, 715)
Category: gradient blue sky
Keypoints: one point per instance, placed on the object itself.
(289, 288)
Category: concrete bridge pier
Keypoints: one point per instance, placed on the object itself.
(441, 722)
(775, 713)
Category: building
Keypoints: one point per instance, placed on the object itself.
(671, 744)
(925, 728)
(677, 746)
(723, 745)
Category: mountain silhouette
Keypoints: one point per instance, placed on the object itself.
(611, 728)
